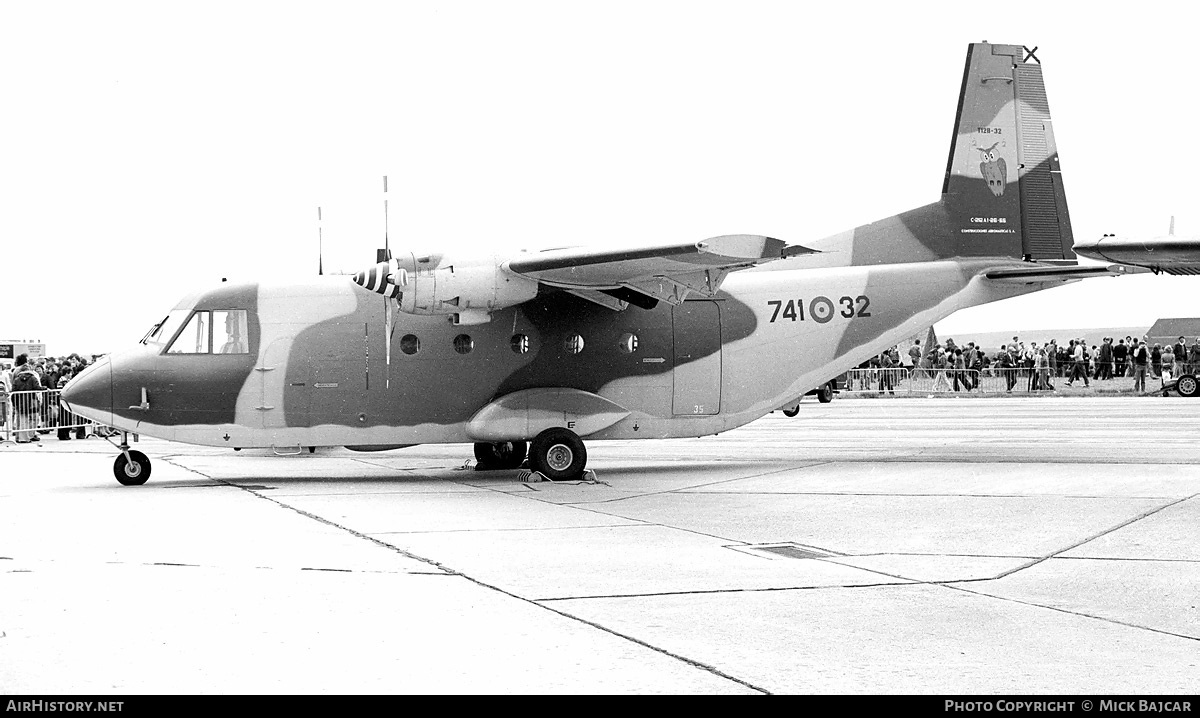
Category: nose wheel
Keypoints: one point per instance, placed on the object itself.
(132, 468)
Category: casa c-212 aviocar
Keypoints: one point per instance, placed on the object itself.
(534, 353)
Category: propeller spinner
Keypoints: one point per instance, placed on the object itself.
(386, 278)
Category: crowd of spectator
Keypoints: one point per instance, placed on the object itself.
(1040, 365)
(30, 412)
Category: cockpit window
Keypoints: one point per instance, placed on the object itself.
(194, 339)
(162, 332)
(216, 332)
(229, 331)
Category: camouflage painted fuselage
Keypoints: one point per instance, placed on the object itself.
(317, 375)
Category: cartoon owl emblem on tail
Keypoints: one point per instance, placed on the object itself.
(993, 169)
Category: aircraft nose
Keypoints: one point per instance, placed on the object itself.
(90, 393)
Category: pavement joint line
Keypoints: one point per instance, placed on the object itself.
(637, 525)
(701, 592)
(910, 495)
(320, 519)
(1126, 558)
(689, 489)
(1089, 539)
(1081, 614)
(448, 571)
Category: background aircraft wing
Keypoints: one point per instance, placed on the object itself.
(1169, 254)
(644, 275)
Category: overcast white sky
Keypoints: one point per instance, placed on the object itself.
(153, 148)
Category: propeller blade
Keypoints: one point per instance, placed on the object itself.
(387, 341)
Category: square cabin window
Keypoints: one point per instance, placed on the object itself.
(194, 339)
(230, 332)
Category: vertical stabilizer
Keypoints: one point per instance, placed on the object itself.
(1003, 190)
(1003, 193)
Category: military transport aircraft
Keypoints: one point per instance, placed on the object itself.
(653, 342)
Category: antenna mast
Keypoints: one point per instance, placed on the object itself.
(320, 246)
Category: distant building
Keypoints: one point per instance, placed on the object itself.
(1166, 331)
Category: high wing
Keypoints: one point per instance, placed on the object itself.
(645, 275)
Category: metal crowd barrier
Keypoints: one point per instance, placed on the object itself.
(994, 380)
(899, 380)
(30, 414)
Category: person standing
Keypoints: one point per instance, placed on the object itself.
(1141, 358)
(1168, 364)
(1043, 369)
(957, 369)
(5, 385)
(1007, 368)
(26, 406)
(1194, 357)
(1079, 369)
(886, 379)
(1120, 353)
(1106, 359)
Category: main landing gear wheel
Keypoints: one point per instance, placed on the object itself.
(558, 454)
(792, 412)
(500, 455)
(1187, 386)
(133, 471)
(825, 394)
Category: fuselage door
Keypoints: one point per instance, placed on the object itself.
(697, 335)
(272, 376)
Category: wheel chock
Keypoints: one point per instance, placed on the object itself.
(531, 477)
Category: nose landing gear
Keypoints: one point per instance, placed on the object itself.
(132, 468)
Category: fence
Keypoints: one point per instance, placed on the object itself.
(27, 415)
(901, 380)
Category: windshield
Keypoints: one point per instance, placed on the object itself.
(162, 332)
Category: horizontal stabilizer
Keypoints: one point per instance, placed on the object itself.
(1038, 273)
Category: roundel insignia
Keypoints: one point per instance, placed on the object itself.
(820, 309)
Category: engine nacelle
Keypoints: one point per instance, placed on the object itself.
(466, 291)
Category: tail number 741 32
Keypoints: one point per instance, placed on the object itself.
(820, 309)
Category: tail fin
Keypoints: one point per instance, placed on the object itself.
(1003, 193)
(1003, 136)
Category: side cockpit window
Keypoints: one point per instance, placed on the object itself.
(229, 331)
(213, 332)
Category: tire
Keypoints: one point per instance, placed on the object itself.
(792, 412)
(500, 455)
(825, 393)
(1187, 386)
(558, 454)
(133, 473)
